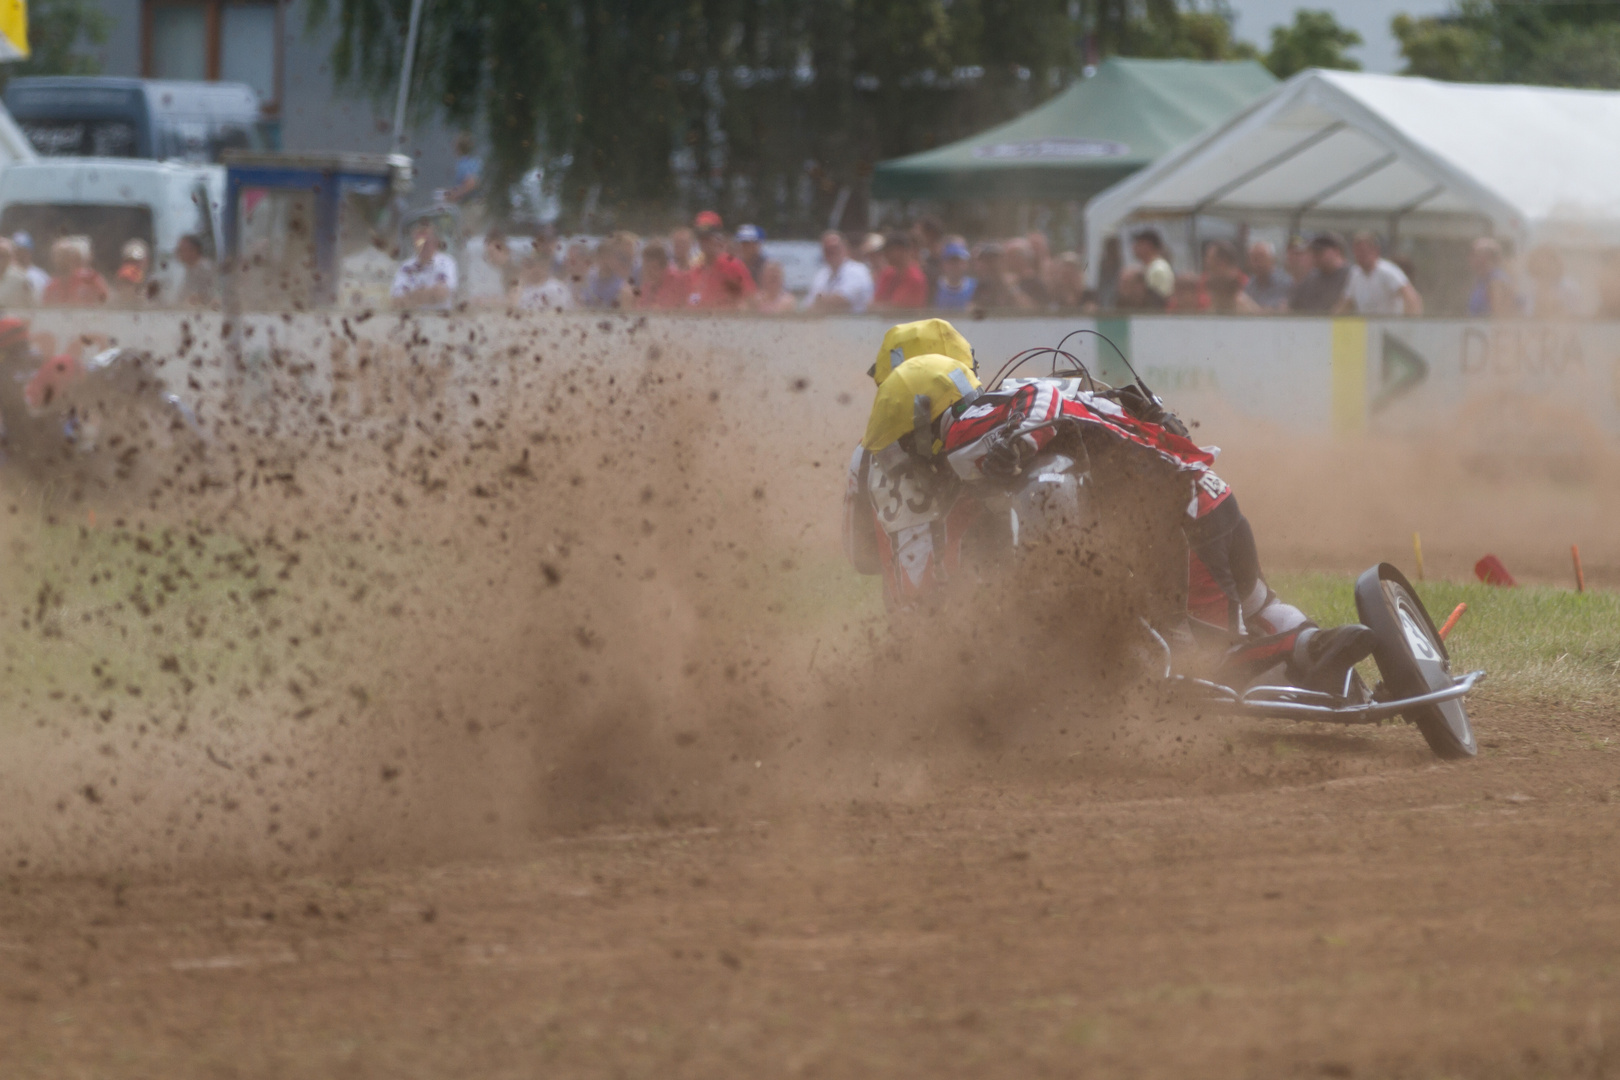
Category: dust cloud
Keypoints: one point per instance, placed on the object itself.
(571, 573)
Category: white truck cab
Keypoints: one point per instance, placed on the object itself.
(113, 201)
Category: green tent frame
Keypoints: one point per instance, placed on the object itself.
(1091, 136)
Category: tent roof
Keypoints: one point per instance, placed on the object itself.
(1535, 163)
(1130, 113)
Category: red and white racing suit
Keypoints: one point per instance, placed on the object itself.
(916, 543)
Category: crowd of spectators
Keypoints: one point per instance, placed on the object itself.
(72, 279)
(1322, 276)
(707, 267)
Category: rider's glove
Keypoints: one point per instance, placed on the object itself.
(1003, 457)
(1149, 409)
(1172, 423)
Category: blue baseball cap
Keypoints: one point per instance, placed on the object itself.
(954, 251)
(750, 234)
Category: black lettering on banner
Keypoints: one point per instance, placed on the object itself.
(1510, 351)
(1183, 379)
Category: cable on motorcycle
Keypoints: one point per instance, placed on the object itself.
(1022, 358)
(1117, 352)
(1012, 363)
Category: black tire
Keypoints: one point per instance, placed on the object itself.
(1413, 659)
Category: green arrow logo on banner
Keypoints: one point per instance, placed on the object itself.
(1402, 368)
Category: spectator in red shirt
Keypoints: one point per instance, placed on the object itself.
(721, 282)
(1189, 296)
(76, 283)
(680, 249)
(903, 284)
(662, 286)
(134, 273)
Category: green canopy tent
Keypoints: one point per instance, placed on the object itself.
(1094, 134)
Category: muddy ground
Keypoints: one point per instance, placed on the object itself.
(563, 745)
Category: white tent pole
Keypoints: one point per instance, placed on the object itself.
(1348, 181)
(1269, 164)
(1108, 209)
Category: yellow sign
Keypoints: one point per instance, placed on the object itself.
(13, 30)
(1349, 376)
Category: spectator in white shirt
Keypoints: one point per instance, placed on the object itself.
(536, 288)
(427, 281)
(1157, 274)
(842, 285)
(1377, 286)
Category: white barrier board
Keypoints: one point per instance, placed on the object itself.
(1297, 374)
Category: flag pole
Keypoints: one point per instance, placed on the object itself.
(405, 75)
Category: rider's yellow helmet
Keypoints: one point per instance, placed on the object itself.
(924, 337)
(944, 380)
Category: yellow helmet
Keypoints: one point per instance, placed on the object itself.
(922, 338)
(944, 380)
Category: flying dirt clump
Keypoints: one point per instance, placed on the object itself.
(464, 593)
(437, 586)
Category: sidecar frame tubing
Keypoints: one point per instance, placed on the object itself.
(1293, 703)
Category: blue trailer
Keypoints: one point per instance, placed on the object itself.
(311, 229)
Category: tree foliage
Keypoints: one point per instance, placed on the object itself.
(1314, 40)
(1568, 43)
(761, 107)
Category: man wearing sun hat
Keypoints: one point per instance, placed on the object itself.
(721, 282)
(750, 250)
(955, 288)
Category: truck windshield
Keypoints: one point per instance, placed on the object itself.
(94, 120)
(88, 120)
(82, 138)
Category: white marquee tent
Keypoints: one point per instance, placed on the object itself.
(1407, 155)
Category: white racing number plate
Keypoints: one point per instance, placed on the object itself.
(900, 501)
(1422, 647)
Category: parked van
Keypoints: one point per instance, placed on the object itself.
(112, 202)
(92, 116)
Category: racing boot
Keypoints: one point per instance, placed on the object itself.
(1253, 656)
(1322, 659)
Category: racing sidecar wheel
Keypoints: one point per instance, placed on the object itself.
(1412, 658)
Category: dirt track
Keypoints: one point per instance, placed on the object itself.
(1146, 896)
(1307, 904)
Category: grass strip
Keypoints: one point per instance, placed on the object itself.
(1540, 646)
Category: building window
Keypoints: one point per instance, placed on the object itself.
(179, 42)
(215, 40)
